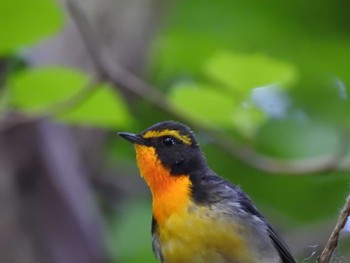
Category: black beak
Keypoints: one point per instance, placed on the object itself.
(133, 138)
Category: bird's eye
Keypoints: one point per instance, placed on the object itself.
(168, 141)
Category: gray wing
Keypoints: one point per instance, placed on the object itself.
(213, 188)
(280, 245)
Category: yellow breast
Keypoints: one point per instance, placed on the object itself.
(200, 235)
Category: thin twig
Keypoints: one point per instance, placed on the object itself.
(120, 78)
(333, 240)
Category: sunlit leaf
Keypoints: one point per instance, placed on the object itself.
(105, 108)
(25, 21)
(242, 72)
(35, 91)
(205, 103)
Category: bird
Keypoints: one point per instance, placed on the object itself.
(198, 216)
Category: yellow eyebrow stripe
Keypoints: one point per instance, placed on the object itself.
(153, 133)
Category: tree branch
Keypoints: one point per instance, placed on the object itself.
(120, 78)
(108, 70)
(333, 240)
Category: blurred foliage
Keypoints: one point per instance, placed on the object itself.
(34, 91)
(275, 74)
(130, 233)
(25, 22)
(234, 71)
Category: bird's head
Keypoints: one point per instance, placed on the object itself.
(169, 158)
(172, 144)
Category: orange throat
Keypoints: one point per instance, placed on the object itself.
(170, 194)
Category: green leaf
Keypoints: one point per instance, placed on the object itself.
(242, 72)
(204, 103)
(35, 91)
(105, 108)
(25, 21)
(216, 107)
